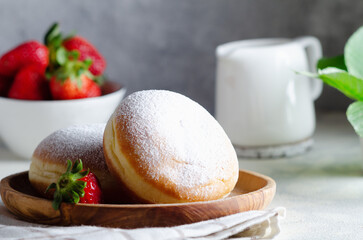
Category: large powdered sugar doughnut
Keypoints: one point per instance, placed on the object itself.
(165, 148)
(83, 142)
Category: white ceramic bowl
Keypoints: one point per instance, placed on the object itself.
(23, 124)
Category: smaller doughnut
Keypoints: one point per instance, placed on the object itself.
(83, 142)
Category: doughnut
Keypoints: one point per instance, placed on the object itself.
(165, 148)
(83, 142)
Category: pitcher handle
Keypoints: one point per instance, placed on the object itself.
(314, 52)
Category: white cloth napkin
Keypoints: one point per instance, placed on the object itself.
(246, 225)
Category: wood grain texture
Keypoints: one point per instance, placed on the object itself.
(253, 191)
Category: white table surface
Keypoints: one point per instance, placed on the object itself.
(322, 190)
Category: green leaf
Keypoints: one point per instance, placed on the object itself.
(79, 186)
(87, 63)
(79, 82)
(75, 197)
(355, 117)
(78, 166)
(80, 175)
(337, 62)
(56, 41)
(52, 33)
(51, 186)
(353, 53)
(79, 72)
(74, 54)
(348, 84)
(57, 200)
(61, 56)
(69, 165)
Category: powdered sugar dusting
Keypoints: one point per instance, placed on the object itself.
(75, 142)
(178, 137)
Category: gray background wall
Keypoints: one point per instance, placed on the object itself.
(169, 44)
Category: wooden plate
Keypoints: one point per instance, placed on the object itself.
(253, 191)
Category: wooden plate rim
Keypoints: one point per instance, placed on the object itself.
(270, 184)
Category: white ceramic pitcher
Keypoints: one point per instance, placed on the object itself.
(261, 102)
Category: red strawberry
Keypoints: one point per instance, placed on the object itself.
(71, 89)
(92, 190)
(76, 186)
(87, 51)
(70, 76)
(5, 83)
(30, 84)
(31, 52)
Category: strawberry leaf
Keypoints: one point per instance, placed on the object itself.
(61, 56)
(79, 186)
(69, 165)
(79, 83)
(79, 175)
(74, 54)
(77, 166)
(51, 186)
(52, 33)
(72, 69)
(87, 63)
(57, 200)
(75, 196)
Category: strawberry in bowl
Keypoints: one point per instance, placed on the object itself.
(68, 89)
(45, 87)
(87, 51)
(75, 66)
(30, 84)
(31, 52)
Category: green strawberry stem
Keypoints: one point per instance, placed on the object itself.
(52, 33)
(53, 40)
(73, 69)
(69, 188)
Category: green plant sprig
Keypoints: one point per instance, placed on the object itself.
(345, 73)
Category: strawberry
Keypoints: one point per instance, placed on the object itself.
(5, 83)
(30, 84)
(70, 76)
(76, 186)
(87, 51)
(70, 89)
(93, 193)
(31, 52)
